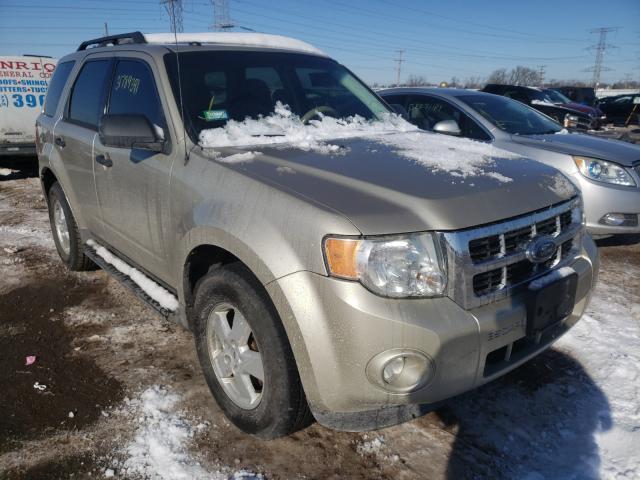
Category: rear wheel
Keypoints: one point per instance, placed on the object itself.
(245, 354)
(65, 231)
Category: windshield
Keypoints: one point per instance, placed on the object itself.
(556, 97)
(511, 116)
(219, 86)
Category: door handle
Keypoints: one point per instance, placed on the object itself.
(60, 142)
(104, 161)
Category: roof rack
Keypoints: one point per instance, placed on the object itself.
(120, 39)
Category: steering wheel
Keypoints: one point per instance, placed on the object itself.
(315, 110)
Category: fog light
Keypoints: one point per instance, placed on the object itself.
(393, 369)
(400, 370)
(620, 219)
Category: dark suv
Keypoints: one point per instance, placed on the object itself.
(537, 99)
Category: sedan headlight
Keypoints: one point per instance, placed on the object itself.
(602, 171)
(390, 266)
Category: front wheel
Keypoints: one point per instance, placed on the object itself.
(245, 354)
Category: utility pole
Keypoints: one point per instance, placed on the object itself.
(174, 10)
(399, 61)
(541, 72)
(221, 18)
(600, 49)
(106, 29)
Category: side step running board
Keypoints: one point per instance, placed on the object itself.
(127, 282)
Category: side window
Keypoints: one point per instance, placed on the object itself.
(471, 129)
(425, 112)
(87, 98)
(134, 91)
(58, 81)
(396, 100)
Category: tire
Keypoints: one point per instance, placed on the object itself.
(277, 406)
(69, 245)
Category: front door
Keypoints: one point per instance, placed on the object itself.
(133, 184)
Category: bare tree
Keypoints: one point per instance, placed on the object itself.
(416, 81)
(454, 83)
(524, 76)
(474, 82)
(500, 75)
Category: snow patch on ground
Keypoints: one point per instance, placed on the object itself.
(576, 415)
(26, 235)
(164, 298)
(460, 156)
(160, 448)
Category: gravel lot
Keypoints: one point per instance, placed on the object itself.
(124, 395)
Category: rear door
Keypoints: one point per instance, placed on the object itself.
(51, 111)
(133, 191)
(75, 133)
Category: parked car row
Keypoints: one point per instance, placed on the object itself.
(606, 171)
(570, 115)
(333, 260)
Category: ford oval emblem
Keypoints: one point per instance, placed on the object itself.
(541, 248)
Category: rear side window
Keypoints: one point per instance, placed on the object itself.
(134, 91)
(58, 81)
(87, 98)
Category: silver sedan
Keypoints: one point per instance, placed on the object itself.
(607, 171)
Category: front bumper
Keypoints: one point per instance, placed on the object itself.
(600, 199)
(336, 327)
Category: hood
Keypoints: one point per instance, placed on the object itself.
(581, 108)
(623, 153)
(384, 187)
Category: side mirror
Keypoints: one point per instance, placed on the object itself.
(448, 127)
(129, 131)
(400, 110)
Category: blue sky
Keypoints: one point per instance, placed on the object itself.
(441, 39)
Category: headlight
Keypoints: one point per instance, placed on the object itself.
(571, 121)
(390, 266)
(602, 171)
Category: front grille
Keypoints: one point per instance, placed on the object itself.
(489, 262)
(637, 167)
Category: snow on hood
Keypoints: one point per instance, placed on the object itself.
(459, 156)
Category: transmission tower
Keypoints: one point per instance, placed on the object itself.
(221, 19)
(399, 61)
(600, 48)
(541, 72)
(174, 9)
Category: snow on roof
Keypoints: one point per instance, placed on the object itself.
(235, 38)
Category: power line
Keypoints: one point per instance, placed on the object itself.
(600, 49)
(174, 9)
(399, 61)
(221, 18)
(541, 72)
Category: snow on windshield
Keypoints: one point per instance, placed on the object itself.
(459, 156)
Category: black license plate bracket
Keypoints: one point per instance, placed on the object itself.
(551, 302)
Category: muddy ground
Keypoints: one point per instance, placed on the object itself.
(97, 346)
